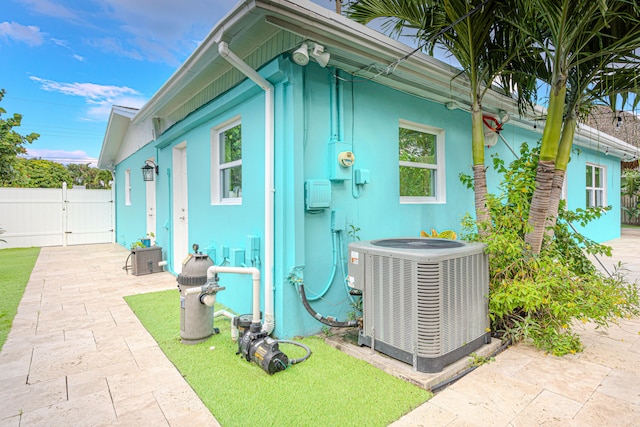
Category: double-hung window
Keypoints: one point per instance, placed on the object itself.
(596, 195)
(226, 163)
(421, 154)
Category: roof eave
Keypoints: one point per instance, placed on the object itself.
(119, 120)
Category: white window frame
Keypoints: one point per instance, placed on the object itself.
(439, 167)
(592, 189)
(217, 168)
(127, 187)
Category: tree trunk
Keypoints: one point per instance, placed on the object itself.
(540, 205)
(546, 165)
(554, 202)
(562, 161)
(483, 218)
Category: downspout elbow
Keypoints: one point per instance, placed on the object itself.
(223, 49)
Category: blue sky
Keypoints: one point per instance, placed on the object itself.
(64, 63)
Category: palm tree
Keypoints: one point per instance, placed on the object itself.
(570, 34)
(589, 84)
(470, 32)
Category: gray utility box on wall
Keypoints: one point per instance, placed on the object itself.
(146, 260)
(425, 300)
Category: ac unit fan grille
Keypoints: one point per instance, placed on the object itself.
(393, 317)
(429, 309)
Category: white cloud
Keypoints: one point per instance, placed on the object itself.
(64, 44)
(50, 8)
(115, 46)
(164, 30)
(99, 98)
(62, 156)
(27, 34)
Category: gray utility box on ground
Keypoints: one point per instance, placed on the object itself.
(146, 260)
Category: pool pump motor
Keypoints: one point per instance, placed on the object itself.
(256, 346)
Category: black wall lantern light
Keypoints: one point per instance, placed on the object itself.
(148, 170)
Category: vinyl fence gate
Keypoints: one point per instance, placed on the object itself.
(56, 216)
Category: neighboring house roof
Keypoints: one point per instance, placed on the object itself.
(620, 124)
(259, 30)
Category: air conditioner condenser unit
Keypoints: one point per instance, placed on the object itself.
(425, 300)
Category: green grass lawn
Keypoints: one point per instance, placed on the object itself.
(328, 389)
(15, 268)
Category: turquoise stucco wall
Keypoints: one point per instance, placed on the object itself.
(214, 226)
(369, 115)
(608, 226)
(131, 223)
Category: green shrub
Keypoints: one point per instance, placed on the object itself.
(539, 297)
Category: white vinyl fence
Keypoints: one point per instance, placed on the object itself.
(55, 216)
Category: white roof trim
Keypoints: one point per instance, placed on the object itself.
(315, 22)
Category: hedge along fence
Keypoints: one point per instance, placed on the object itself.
(56, 216)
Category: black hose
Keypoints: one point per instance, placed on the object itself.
(456, 377)
(329, 321)
(299, 344)
(126, 264)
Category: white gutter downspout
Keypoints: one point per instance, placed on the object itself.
(269, 190)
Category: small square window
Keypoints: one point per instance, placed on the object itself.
(595, 186)
(421, 168)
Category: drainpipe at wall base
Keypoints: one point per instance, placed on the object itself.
(269, 190)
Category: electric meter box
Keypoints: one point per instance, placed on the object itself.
(341, 158)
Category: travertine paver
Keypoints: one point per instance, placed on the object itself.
(525, 387)
(78, 356)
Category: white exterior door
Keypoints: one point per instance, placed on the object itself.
(180, 204)
(151, 208)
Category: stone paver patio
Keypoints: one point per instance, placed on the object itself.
(78, 356)
(524, 387)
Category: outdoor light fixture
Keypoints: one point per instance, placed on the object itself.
(148, 170)
(451, 105)
(301, 55)
(490, 138)
(320, 55)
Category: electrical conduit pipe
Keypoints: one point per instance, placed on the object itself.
(269, 190)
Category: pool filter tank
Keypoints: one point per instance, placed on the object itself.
(196, 308)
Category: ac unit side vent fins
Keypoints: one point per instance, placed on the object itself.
(425, 306)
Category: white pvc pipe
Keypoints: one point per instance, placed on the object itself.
(230, 316)
(255, 275)
(269, 186)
